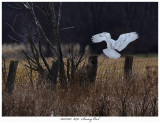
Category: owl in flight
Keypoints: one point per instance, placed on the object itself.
(113, 45)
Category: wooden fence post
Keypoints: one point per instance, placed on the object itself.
(92, 61)
(53, 74)
(128, 66)
(11, 76)
(68, 69)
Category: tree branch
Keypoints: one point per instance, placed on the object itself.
(59, 14)
(13, 38)
(14, 31)
(63, 29)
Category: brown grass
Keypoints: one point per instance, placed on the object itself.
(136, 96)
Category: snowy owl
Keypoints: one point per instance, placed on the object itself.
(113, 45)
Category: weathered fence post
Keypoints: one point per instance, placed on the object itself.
(92, 72)
(4, 70)
(73, 68)
(128, 66)
(68, 67)
(53, 74)
(11, 76)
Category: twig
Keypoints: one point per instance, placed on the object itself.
(30, 67)
(13, 38)
(13, 6)
(14, 30)
(26, 5)
(14, 21)
(29, 58)
(39, 8)
(63, 29)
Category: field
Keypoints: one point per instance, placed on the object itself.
(111, 95)
(56, 59)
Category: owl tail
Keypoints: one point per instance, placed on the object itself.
(111, 53)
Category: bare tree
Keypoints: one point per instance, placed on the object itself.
(49, 11)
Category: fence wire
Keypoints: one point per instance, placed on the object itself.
(107, 70)
(115, 70)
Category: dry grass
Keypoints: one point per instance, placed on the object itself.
(10, 50)
(112, 94)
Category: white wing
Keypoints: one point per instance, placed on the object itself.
(111, 53)
(124, 40)
(101, 37)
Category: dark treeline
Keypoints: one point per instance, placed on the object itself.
(92, 18)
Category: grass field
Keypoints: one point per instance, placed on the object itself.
(111, 95)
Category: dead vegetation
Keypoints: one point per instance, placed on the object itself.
(70, 86)
(136, 96)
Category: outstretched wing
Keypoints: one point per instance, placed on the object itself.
(111, 53)
(124, 40)
(101, 37)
